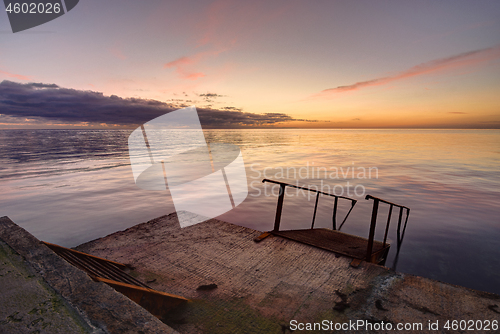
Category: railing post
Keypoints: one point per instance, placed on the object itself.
(279, 208)
(387, 225)
(399, 224)
(372, 230)
(334, 216)
(315, 208)
(400, 237)
(406, 222)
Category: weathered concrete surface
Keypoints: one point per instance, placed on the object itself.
(28, 304)
(41, 291)
(262, 286)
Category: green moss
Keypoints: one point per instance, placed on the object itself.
(134, 274)
(149, 276)
(35, 322)
(14, 317)
(45, 306)
(223, 317)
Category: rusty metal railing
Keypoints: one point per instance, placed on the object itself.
(376, 202)
(281, 198)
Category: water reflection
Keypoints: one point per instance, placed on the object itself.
(70, 186)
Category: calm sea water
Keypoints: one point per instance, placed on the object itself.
(72, 186)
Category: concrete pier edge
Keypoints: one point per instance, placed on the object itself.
(99, 306)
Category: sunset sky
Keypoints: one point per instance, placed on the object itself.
(334, 64)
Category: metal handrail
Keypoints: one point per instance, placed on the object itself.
(387, 202)
(281, 197)
(373, 223)
(309, 189)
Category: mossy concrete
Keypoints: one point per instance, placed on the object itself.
(28, 304)
(42, 293)
(260, 287)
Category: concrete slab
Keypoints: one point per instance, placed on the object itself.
(239, 286)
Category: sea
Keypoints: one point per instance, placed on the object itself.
(71, 186)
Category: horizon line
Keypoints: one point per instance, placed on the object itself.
(275, 128)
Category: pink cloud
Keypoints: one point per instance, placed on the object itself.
(462, 60)
(117, 53)
(194, 76)
(222, 25)
(183, 61)
(15, 76)
(246, 20)
(183, 67)
(214, 18)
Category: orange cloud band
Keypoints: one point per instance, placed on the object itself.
(465, 59)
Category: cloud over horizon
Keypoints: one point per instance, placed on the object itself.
(54, 103)
(458, 61)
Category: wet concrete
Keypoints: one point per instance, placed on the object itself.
(239, 286)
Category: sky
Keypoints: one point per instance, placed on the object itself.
(244, 64)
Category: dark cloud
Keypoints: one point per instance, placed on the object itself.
(53, 103)
(39, 85)
(231, 108)
(210, 97)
